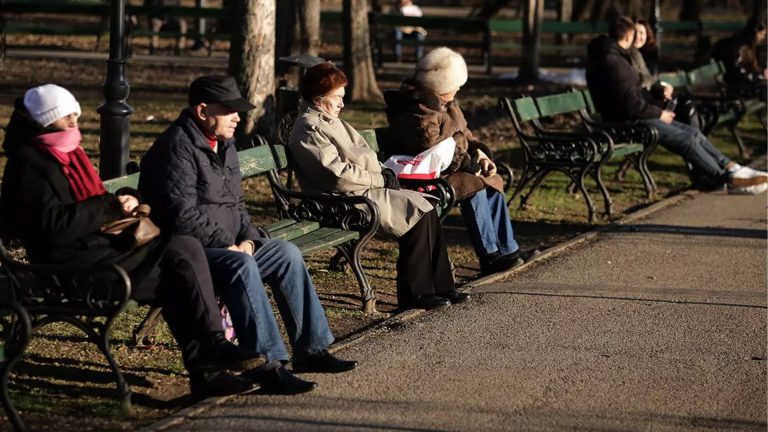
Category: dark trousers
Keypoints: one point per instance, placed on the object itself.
(423, 266)
(174, 274)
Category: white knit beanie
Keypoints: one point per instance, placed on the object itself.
(48, 103)
(443, 70)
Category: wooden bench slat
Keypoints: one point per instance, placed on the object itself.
(323, 238)
(621, 150)
(295, 230)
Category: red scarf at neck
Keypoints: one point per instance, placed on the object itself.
(64, 146)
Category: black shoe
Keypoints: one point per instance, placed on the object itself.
(322, 362)
(224, 355)
(428, 301)
(205, 385)
(496, 262)
(276, 379)
(530, 253)
(456, 297)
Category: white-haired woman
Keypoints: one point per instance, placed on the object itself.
(425, 112)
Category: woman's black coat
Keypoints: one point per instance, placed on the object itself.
(38, 206)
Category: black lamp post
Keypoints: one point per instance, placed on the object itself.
(115, 112)
(655, 22)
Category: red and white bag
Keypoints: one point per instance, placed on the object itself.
(425, 165)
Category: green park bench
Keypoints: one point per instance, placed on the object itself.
(21, 11)
(15, 334)
(312, 222)
(579, 151)
(90, 298)
(451, 31)
(505, 34)
(717, 104)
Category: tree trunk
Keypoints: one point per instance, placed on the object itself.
(358, 61)
(252, 63)
(532, 19)
(308, 17)
(300, 20)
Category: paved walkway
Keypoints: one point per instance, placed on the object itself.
(660, 325)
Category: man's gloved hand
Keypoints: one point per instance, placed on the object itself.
(471, 166)
(390, 179)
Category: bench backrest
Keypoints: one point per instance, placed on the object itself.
(560, 103)
(704, 74)
(675, 79)
(253, 161)
(525, 109)
(459, 24)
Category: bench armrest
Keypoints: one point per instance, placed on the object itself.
(625, 132)
(560, 146)
(349, 212)
(96, 290)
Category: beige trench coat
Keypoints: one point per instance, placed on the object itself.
(331, 156)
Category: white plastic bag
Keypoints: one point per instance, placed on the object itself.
(425, 165)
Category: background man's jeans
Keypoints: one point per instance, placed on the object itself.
(239, 279)
(487, 219)
(399, 36)
(708, 163)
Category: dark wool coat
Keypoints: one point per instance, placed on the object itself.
(615, 85)
(38, 207)
(740, 59)
(420, 123)
(192, 189)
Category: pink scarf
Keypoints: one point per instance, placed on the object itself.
(64, 146)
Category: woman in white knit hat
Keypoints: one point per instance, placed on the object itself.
(425, 112)
(53, 200)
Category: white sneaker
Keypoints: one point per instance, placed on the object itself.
(746, 176)
(754, 172)
(748, 190)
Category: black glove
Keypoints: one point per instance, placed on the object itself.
(390, 179)
(471, 166)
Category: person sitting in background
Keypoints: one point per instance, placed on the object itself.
(619, 97)
(643, 37)
(159, 20)
(55, 203)
(407, 8)
(424, 113)
(739, 54)
(191, 178)
(332, 157)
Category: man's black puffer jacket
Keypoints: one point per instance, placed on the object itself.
(192, 189)
(615, 85)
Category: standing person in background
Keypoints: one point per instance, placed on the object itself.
(54, 201)
(407, 8)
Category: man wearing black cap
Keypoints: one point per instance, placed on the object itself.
(191, 178)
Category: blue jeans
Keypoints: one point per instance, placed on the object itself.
(707, 162)
(419, 36)
(239, 280)
(487, 219)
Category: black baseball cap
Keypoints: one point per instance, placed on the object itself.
(218, 89)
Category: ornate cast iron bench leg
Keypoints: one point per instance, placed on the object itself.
(16, 333)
